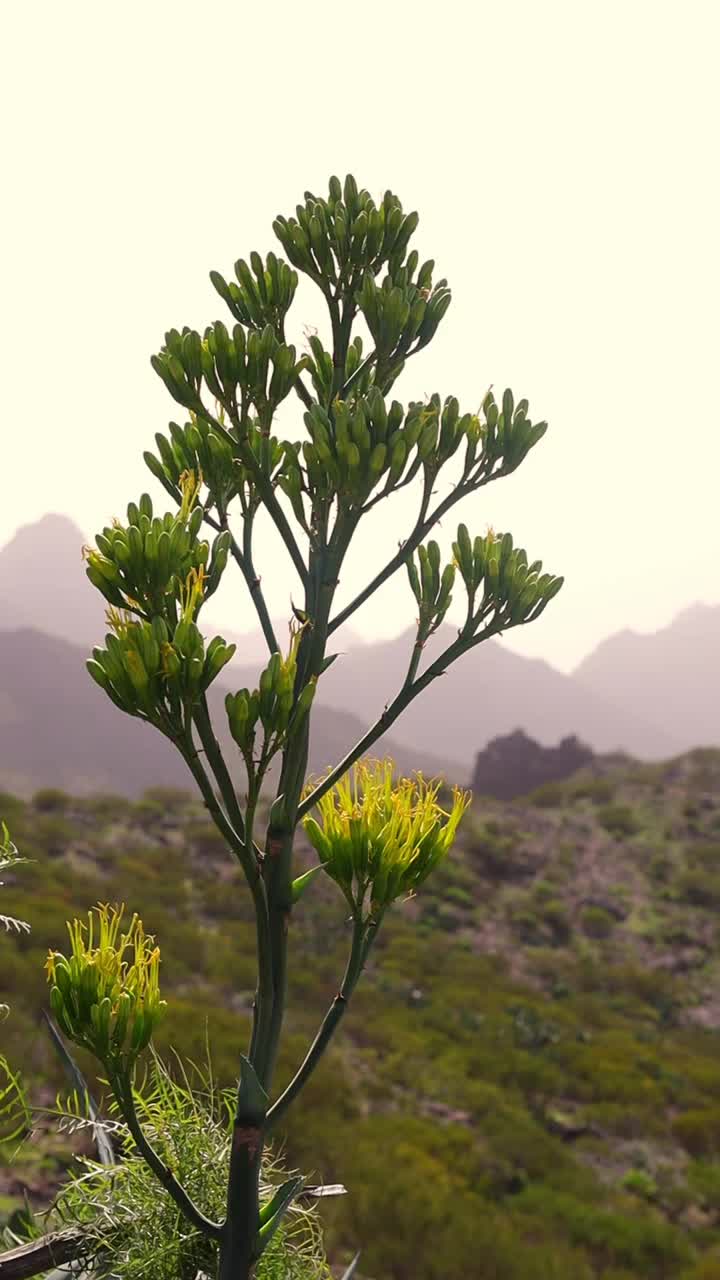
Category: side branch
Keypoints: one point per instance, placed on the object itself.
(249, 460)
(234, 838)
(243, 558)
(423, 525)
(393, 710)
(245, 853)
(214, 755)
(356, 960)
(280, 520)
(123, 1093)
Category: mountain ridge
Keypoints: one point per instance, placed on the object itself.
(58, 729)
(634, 692)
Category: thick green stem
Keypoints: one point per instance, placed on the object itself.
(278, 865)
(239, 1242)
(243, 850)
(277, 869)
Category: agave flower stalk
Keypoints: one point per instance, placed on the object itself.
(376, 837)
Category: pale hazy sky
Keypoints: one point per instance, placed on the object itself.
(563, 158)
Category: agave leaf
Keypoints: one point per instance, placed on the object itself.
(346, 1275)
(326, 1189)
(104, 1145)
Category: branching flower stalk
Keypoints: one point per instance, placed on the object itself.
(377, 837)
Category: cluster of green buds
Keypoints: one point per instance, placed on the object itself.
(263, 293)
(495, 444)
(233, 366)
(513, 591)
(105, 995)
(359, 442)
(379, 839)
(335, 239)
(507, 434)
(154, 670)
(271, 706)
(353, 445)
(358, 373)
(402, 314)
(432, 590)
(143, 567)
(199, 448)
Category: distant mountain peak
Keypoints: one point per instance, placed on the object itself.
(699, 612)
(51, 522)
(43, 583)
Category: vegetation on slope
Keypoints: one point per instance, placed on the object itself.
(529, 1075)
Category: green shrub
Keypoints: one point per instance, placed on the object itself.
(599, 790)
(596, 922)
(455, 893)
(699, 1131)
(207, 840)
(54, 834)
(542, 890)
(528, 927)
(555, 915)
(641, 1184)
(703, 1178)
(619, 819)
(496, 852)
(51, 800)
(704, 854)
(653, 1247)
(547, 796)
(107, 806)
(660, 868)
(706, 1268)
(698, 888)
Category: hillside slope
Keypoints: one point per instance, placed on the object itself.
(528, 1072)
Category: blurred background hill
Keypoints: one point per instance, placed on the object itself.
(650, 696)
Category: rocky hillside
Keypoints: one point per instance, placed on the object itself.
(527, 1084)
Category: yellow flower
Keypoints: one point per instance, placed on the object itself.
(382, 835)
(107, 991)
(190, 486)
(191, 594)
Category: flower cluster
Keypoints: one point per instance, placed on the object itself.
(381, 836)
(103, 1000)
